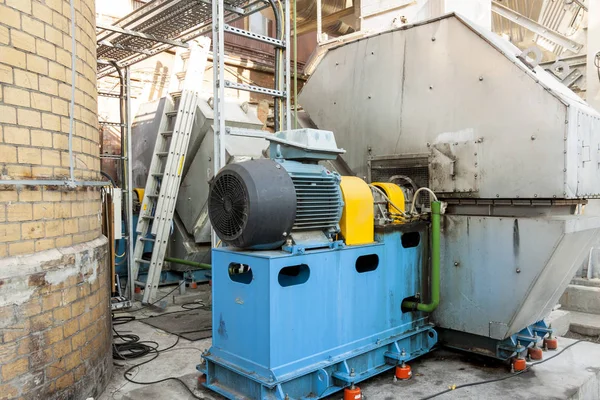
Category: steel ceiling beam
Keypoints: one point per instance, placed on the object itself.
(141, 35)
(536, 27)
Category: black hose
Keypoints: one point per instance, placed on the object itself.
(107, 176)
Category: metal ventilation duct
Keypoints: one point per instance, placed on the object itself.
(512, 150)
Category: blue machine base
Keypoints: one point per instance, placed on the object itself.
(326, 378)
(520, 342)
(306, 325)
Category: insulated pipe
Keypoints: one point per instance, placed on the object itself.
(189, 263)
(435, 264)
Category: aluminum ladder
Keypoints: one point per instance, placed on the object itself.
(168, 159)
(280, 93)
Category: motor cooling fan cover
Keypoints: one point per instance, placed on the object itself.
(252, 204)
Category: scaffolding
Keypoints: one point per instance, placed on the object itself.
(164, 24)
(161, 25)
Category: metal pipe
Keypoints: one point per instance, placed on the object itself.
(188, 263)
(435, 264)
(319, 22)
(129, 179)
(121, 118)
(73, 80)
(295, 67)
(288, 122)
(52, 182)
(277, 105)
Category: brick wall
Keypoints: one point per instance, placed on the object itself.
(55, 340)
(35, 96)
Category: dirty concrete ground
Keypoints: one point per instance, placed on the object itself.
(574, 374)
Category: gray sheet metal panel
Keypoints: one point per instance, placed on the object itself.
(499, 275)
(588, 151)
(193, 192)
(569, 256)
(397, 92)
(183, 246)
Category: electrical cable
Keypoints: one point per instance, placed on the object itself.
(131, 347)
(187, 306)
(382, 193)
(412, 207)
(450, 389)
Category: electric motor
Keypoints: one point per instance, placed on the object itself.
(257, 204)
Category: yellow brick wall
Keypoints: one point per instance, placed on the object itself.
(55, 340)
(35, 97)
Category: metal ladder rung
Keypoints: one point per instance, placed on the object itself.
(255, 89)
(255, 36)
(169, 151)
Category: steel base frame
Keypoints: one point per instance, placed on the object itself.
(234, 383)
(500, 349)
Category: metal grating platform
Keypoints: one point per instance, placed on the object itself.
(160, 25)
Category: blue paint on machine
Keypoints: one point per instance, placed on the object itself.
(297, 326)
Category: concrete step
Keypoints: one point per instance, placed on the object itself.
(586, 282)
(585, 324)
(560, 320)
(581, 298)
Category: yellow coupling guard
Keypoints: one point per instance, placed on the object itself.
(396, 195)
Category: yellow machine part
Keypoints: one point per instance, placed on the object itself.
(140, 194)
(396, 195)
(357, 223)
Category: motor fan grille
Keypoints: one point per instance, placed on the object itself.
(228, 206)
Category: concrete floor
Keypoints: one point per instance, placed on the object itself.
(572, 375)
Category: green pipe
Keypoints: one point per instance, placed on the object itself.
(435, 264)
(190, 263)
